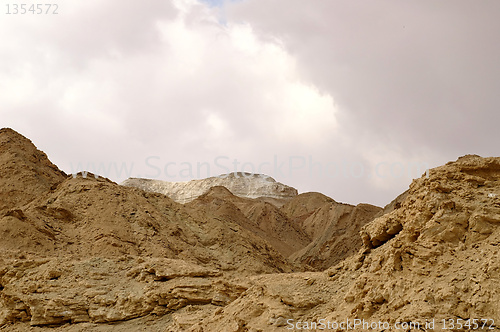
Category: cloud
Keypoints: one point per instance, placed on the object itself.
(408, 69)
(321, 95)
(412, 80)
(170, 82)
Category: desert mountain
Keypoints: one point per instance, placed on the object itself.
(25, 171)
(240, 184)
(96, 217)
(75, 221)
(310, 228)
(333, 228)
(433, 260)
(257, 216)
(87, 254)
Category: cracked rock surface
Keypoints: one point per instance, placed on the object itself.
(86, 254)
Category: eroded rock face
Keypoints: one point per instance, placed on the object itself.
(103, 290)
(334, 229)
(240, 184)
(86, 254)
(258, 217)
(87, 250)
(434, 257)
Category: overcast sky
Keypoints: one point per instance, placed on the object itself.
(349, 98)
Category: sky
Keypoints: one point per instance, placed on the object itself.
(352, 99)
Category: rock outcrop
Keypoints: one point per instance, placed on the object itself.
(53, 244)
(240, 184)
(86, 254)
(104, 290)
(433, 260)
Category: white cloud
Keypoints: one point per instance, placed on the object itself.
(173, 82)
(343, 82)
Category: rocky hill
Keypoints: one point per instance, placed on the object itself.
(333, 228)
(433, 260)
(76, 232)
(25, 171)
(258, 217)
(240, 184)
(86, 254)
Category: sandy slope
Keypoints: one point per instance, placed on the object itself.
(86, 254)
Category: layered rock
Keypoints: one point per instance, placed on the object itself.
(87, 254)
(333, 228)
(258, 217)
(105, 290)
(240, 184)
(69, 254)
(434, 257)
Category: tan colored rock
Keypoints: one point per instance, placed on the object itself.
(100, 290)
(258, 217)
(435, 265)
(25, 171)
(86, 254)
(333, 228)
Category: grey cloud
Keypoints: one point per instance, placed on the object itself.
(411, 75)
(422, 66)
(409, 80)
